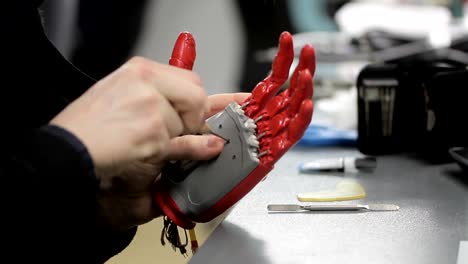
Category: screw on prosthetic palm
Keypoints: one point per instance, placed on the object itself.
(259, 131)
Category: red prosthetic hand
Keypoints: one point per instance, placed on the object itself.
(257, 132)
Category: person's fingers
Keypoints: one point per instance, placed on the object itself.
(150, 70)
(194, 147)
(170, 118)
(180, 87)
(188, 99)
(218, 102)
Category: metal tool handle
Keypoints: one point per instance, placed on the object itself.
(336, 207)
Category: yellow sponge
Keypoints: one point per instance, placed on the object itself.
(345, 190)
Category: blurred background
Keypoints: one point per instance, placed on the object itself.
(369, 55)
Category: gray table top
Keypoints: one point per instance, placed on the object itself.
(428, 228)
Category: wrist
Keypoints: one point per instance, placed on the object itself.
(77, 153)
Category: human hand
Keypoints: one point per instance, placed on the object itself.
(134, 112)
(130, 122)
(130, 200)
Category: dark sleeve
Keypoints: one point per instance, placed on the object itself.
(47, 182)
(54, 173)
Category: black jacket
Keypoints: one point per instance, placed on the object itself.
(47, 182)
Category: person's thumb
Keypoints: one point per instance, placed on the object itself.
(194, 147)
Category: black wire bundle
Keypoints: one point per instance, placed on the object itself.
(171, 233)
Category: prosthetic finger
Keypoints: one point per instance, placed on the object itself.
(283, 60)
(301, 121)
(302, 91)
(268, 88)
(184, 51)
(306, 61)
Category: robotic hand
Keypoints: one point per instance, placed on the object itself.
(257, 133)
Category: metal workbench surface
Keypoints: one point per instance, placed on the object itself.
(428, 228)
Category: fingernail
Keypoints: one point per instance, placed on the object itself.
(214, 142)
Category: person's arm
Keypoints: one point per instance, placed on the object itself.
(53, 178)
(47, 177)
(130, 122)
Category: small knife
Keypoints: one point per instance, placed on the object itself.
(331, 207)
